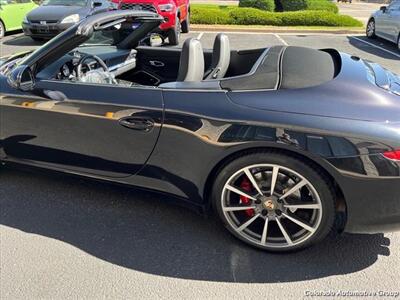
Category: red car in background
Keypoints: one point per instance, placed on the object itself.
(176, 15)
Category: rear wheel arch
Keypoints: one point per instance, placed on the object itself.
(340, 205)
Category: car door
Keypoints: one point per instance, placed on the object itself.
(11, 14)
(94, 129)
(393, 21)
(100, 127)
(384, 23)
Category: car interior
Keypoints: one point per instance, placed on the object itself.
(192, 67)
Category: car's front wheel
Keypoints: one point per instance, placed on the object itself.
(370, 31)
(274, 201)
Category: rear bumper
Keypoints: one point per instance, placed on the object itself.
(371, 192)
(375, 207)
(44, 31)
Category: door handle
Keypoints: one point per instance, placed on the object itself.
(156, 63)
(137, 123)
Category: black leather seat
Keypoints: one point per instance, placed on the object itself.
(191, 64)
(221, 57)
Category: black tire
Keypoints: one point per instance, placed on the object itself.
(320, 182)
(2, 29)
(398, 42)
(370, 30)
(174, 33)
(186, 23)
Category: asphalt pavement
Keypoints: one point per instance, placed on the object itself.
(359, 10)
(63, 237)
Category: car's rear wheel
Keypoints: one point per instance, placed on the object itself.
(398, 42)
(186, 23)
(174, 33)
(274, 201)
(2, 29)
(370, 31)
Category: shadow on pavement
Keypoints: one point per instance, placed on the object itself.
(141, 231)
(21, 40)
(392, 47)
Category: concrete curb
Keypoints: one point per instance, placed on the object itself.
(271, 29)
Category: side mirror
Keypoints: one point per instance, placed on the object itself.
(21, 78)
(97, 4)
(383, 8)
(156, 40)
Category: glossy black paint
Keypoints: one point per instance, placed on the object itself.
(199, 131)
(341, 127)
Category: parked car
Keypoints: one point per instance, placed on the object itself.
(54, 16)
(385, 23)
(12, 12)
(176, 14)
(284, 143)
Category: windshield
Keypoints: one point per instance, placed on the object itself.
(112, 35)
(65, 2)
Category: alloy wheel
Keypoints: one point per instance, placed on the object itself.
(271, 206)
(371, 29)
(2, 30)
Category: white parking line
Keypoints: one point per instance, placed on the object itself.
(281, 39)
(200, 35)
(232, 32)
(281, 33)
(375, 46)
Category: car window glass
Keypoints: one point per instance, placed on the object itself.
(5, 2)
(112, 35)
(394, 6)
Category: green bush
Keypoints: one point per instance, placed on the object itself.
(252, 16)
(295, 5)
(292, 5)
(322, 5)
(268, 5)
(199, 15)
(317, 18)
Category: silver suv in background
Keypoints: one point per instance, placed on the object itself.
(385, 23)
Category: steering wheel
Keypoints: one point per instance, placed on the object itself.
(79, 72)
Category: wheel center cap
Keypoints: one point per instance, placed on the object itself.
(269, 205)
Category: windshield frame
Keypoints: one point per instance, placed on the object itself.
(82, 31)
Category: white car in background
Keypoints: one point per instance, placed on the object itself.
(385, 23)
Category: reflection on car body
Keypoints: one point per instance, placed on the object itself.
(279, 146)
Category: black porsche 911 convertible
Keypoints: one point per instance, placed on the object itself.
(285, 143)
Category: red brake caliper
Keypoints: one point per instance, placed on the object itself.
(246, 185)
